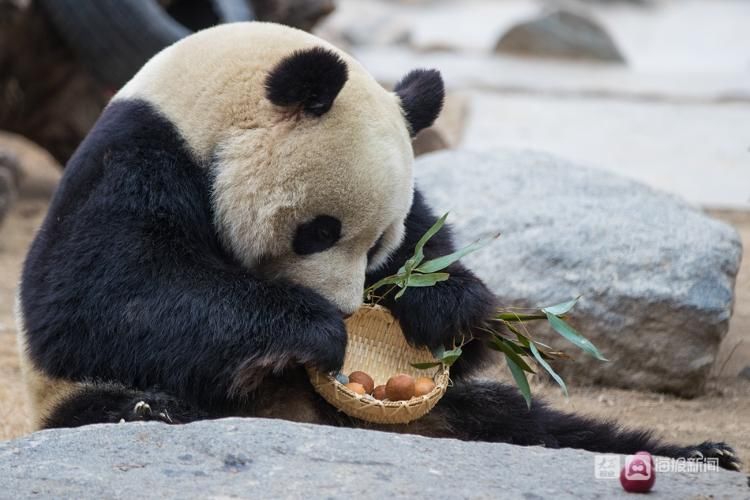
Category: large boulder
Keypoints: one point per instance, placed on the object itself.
(257, 458)
(656, 275)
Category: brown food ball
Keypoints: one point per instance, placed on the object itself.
(358, 388)
(423, 385)
(379, 392)
(399, 387)
(362, 378)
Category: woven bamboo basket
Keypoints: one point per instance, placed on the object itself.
(376, 346)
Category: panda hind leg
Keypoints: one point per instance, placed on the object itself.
(112, 403)
(491, 411)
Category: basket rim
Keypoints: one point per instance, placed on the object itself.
(368, 408)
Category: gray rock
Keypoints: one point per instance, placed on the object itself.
(428, 140)
(561, 34)
(656, 275)
(745, 373)
(257, 458)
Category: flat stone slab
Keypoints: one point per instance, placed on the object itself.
(656, 275)
(259, 458)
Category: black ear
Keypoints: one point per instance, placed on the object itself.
(310, 79)
(422, 93)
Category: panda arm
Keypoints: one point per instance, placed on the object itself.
(127, 282)
(438, 314)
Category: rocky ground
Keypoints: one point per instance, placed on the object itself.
(250, 458)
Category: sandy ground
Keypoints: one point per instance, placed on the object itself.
(723, 413)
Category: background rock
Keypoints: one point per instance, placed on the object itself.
(560, 33)
(9, 172)
(428, 141)
(656, 275)
(448, 129)
(256, 458)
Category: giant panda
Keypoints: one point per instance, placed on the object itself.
(220, 221)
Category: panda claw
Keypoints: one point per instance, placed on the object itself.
(142, 409)
(722, 453)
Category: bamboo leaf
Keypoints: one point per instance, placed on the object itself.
(500, 345)
(547, 367)
(450, 357)
(513, 329)
(445, 357)
(561, 309)
(520, 377)
(388, 280)
(408, 266)
(437, 226)
(418, 256)
(523, 339)
(573, 336)
(525, 344)
(419, 280)
(441, 263)
(425, 366)
(511, 316)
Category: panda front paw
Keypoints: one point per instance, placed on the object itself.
(311, 333)
(324, 345)
(446, 313)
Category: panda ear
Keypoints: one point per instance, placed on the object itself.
(421, 92)
(309, 79)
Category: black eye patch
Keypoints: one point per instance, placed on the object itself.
(318, 235)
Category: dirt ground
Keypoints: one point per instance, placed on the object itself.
(723, 413)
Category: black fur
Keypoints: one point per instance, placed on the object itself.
(422, 94)
(310, 79)
(127, 284)
(112, 403)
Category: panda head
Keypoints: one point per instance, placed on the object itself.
(310, 158)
